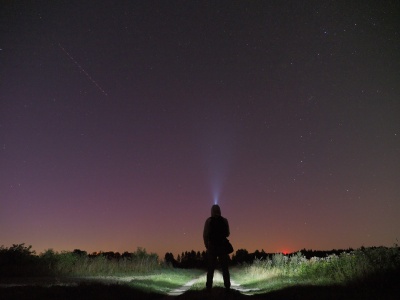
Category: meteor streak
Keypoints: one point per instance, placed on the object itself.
(82, 69)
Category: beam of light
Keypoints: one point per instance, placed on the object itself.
(217, 176)
(218, 145)
(216, 199)
(215, 195)
(82, 69)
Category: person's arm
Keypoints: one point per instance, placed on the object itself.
(227, 226)
(206, 232)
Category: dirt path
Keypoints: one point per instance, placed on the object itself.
(180, 290)
(74, 282)
(217, 278)
(244, 291)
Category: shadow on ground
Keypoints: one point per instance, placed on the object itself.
(80, 292)
(103, 292)
(298, 292)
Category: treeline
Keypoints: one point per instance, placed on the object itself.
(21, 260)
(192, 259)
(139, 253)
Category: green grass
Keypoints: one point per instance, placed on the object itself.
(270, 280)
(165, 281)
(360, 268)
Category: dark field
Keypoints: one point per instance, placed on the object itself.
(366, 273)
(386, 287)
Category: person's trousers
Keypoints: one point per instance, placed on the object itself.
(213, 258)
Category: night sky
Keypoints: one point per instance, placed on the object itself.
(122, 122)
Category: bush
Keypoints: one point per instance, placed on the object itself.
(18, 260)
(279, 260)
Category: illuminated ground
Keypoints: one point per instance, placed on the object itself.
(166, 286)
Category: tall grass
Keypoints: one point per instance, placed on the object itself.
(346, 267)
(67, 263)
(20, 260)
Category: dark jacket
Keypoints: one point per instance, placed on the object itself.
(215, 213)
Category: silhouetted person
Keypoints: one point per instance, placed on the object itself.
(216, 230)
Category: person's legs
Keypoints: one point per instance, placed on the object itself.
(224, 260)
(212, 262)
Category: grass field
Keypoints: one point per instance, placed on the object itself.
(366, 273)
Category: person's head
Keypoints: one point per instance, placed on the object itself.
(215, 211)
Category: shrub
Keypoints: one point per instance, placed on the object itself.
(18, 260)
(279, 260)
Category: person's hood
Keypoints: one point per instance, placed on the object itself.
(215, 211)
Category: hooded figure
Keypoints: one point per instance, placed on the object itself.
(213, 236)
(216, 230)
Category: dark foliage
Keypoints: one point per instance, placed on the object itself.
(198, 260)
(188, 260)
(20, 261)
(83, 291)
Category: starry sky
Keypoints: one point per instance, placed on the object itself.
(122, 122)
